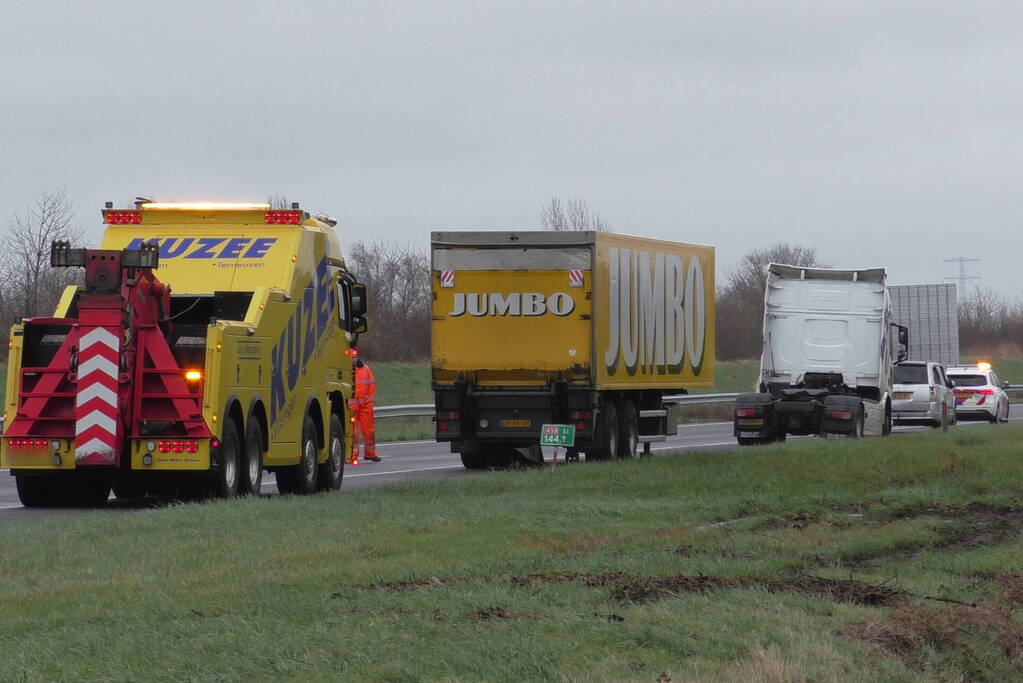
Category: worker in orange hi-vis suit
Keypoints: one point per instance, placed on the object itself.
(362, 405)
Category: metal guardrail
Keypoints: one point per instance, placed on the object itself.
(427, 409)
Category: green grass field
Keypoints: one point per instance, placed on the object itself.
(895, 559)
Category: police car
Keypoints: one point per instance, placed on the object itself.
(979, 393)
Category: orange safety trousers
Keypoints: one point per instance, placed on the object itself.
(365, 430)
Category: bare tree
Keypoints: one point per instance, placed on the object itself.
(30, 285)
(575, 215)
(740, 302)
(397, 278)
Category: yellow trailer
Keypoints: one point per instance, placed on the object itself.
(590, 329)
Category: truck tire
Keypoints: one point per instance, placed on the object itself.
(607, 434)
(34, 492)
(474, 460)
(886, 427)
(251, 464)
(857, 430)
(332, 469)
(229, 458)
(628, 430)
(300, 478)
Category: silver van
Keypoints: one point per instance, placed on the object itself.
(922, 393)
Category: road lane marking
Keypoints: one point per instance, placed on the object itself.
(420, 469)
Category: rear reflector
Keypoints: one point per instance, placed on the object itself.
(283, 217)
(579, 414)
(447, 415)
(747, 412)
(122, 217)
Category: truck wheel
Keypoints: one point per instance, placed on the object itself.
(886, 427)
(857, 430)
(226, 478)
(333, 468)
(251, 470)
(34, 492)
(474, 460)
(301, 478)
(628, 429)
(608, 434)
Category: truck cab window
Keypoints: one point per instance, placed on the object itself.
(344, 306)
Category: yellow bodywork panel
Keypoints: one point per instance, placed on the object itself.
(655, 313)
(512, 327)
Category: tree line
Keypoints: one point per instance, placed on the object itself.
(398, 278)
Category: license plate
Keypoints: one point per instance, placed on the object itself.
(902, 394)
(750, 421)
(749, 433)
(964, 395)
(516, 424)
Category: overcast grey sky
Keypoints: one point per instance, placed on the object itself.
(881, 132)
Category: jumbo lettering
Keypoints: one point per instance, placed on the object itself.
(528, 304)
(209, 247)
(657, 312)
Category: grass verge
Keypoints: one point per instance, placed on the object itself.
(891, 559)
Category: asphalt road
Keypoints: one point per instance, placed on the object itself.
(404, 461)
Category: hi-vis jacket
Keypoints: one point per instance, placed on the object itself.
(365, 388)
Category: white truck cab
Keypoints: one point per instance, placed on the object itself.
(826, 365)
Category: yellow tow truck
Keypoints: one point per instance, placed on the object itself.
(210, 343)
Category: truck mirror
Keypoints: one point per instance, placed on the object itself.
(359, 325)
(359, 301)
(903, 355)
(903, 335)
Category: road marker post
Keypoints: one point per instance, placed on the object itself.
(558, 436)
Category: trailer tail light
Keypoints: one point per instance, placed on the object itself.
(122, 217)
(747, 412)
(448, 415)
(180, 446)
(193, 375)
(27, 443)
(283, 217)
(840, 414)
(442, 426)
(579, 415)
